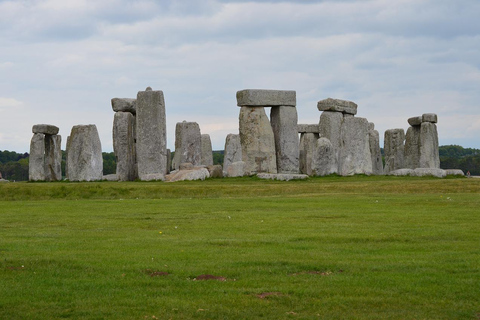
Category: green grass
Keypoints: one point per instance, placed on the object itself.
(325, 248)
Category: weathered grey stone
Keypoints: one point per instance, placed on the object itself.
(232, 153)
(153, 176)
(394, 150)
(45, 129)
(110, 177)
(371, 126)
(257, 140)
(454, 172)
(412, 147)
(429, 117)
(215, 171)
(124, 105)
(207, 153)
(308, 142)
(84, 155)
(151, 135)
(196, 173)
(188, 144)
(282, 176)
(429, 152)
(355, 156)
(375, 152)
(236, 169)
(331, 128)
(284, 125)
(124, 145)
(53, 158)
(324, 160)
(415, 121)
(185, 166)
(401, 172)
(266, 98)
(169, 160)
(337, 105)
(36, 163)
(308, 128)
(434, 172)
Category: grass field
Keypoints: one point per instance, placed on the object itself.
(325, 248)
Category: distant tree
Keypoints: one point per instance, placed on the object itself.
(218, 157)
(109, 163)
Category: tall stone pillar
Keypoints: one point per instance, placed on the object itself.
(151, 135)
(207, 152)
(374, 143)
(429, 153)
(412, 143)
(45, 154)
(232, 153)
(188, 144)
(36, 162)
(84, 154)
(309, 134)
(284, 121)
(394, 150)
(355, 156)
(53, 158)
(124, 145)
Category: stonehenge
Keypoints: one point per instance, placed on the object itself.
(45, 154)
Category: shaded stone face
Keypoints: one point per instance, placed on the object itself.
(355, 156)
(337, 105)
(124, 145)
(308, 128)
(84, 154)
(53, 158)
(429, 117)
(257, 140)
(415, 121)
(151, 135)
(284, 125)
(324, 160)
(266, 98)
(207, 152)
(36, 163)
(394, 149)
(374, 142)
(412, 147)
(232, 153)
(429, 153)
(330, 127)
(308, 142)
(188, 144)
(45, 129)
(124, 105)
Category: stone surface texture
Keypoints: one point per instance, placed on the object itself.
(429, 117)
(266, 98)
(355, 156)
(215, 171)
(401, 172)
(84, 154)
(188, 144)
(330, 127)
(415, 121)
(124, 105)
(233, 151)
(375, 152)
(257, 140)
(308, 128)
(284, 125)
(324, 160)
(196, 173)
(45, 129)
(337, 105)
(236, 169)
(454, 172)
(207, 152)
(412, 147)
(308, 143)
(394, 149)
(429, 152)
(423, 172)
(151, 135)
(124, 145)
(282, 176)
(36, 163)
(53, 158)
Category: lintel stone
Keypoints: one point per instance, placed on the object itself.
(308, 128)
(337, 105)
(415, 121)
(429, 117)
(45, 129)
(124, 105)
(266, 98)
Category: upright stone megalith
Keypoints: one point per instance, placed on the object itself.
(429, 153)
(374, 143)
(84, 154)
(53, 157)
(421, 145)
(124, 145)
(188, 144)
(284, 121)
(394, 149)
(151, 135)
(207, 152)
(45, 154)
(232, 153)
(330, 126)
(355, 156)
(308, 144)
(36, 162)
(324, 161)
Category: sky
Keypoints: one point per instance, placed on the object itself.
(61, 62)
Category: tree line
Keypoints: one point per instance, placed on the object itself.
(14, 166)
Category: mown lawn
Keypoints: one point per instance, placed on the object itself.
(325, 248)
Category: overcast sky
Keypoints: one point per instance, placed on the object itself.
(62, 61)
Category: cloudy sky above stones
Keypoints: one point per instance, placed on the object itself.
(62, 61)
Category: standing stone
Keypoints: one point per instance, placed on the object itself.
(151, 135)
(308, 143)
(394, 149)
(429, 153)
(330, 126)
(84, 154)
(53, 157)
(36, 163)
(284, 121)
(324, 161)
(207, 152)
(412, 147)
(374, 142)
(232, 153)
(258, 142)
(188, 144)
(169, 160)
(124, 145)
(355, 156)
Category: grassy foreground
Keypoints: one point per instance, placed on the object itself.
(325, 248)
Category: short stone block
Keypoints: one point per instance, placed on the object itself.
(45, 129)
(337, 105)
(266, 98)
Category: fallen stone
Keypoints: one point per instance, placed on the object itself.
(266, 98)
(308, 128)
(429, 150)
(324, 161)
(124, 145)
(355, 156)
(188, 144)
(429, 117)
(36, 163)
(53, 158)
(84, 154)
(110, 177)
(199, 173)
(282, 176)
(308, 143)
(45, 129)
(284, 125)
(124, 105)
(401, 172)
(233, 151)
(185, 166)
(394, 149)
(422, 172)
(257, 140)
(337, 105)
(236, 169)
(415, 121)
(454, 172)
(215, 171)
(207, 152)
(151, 135)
